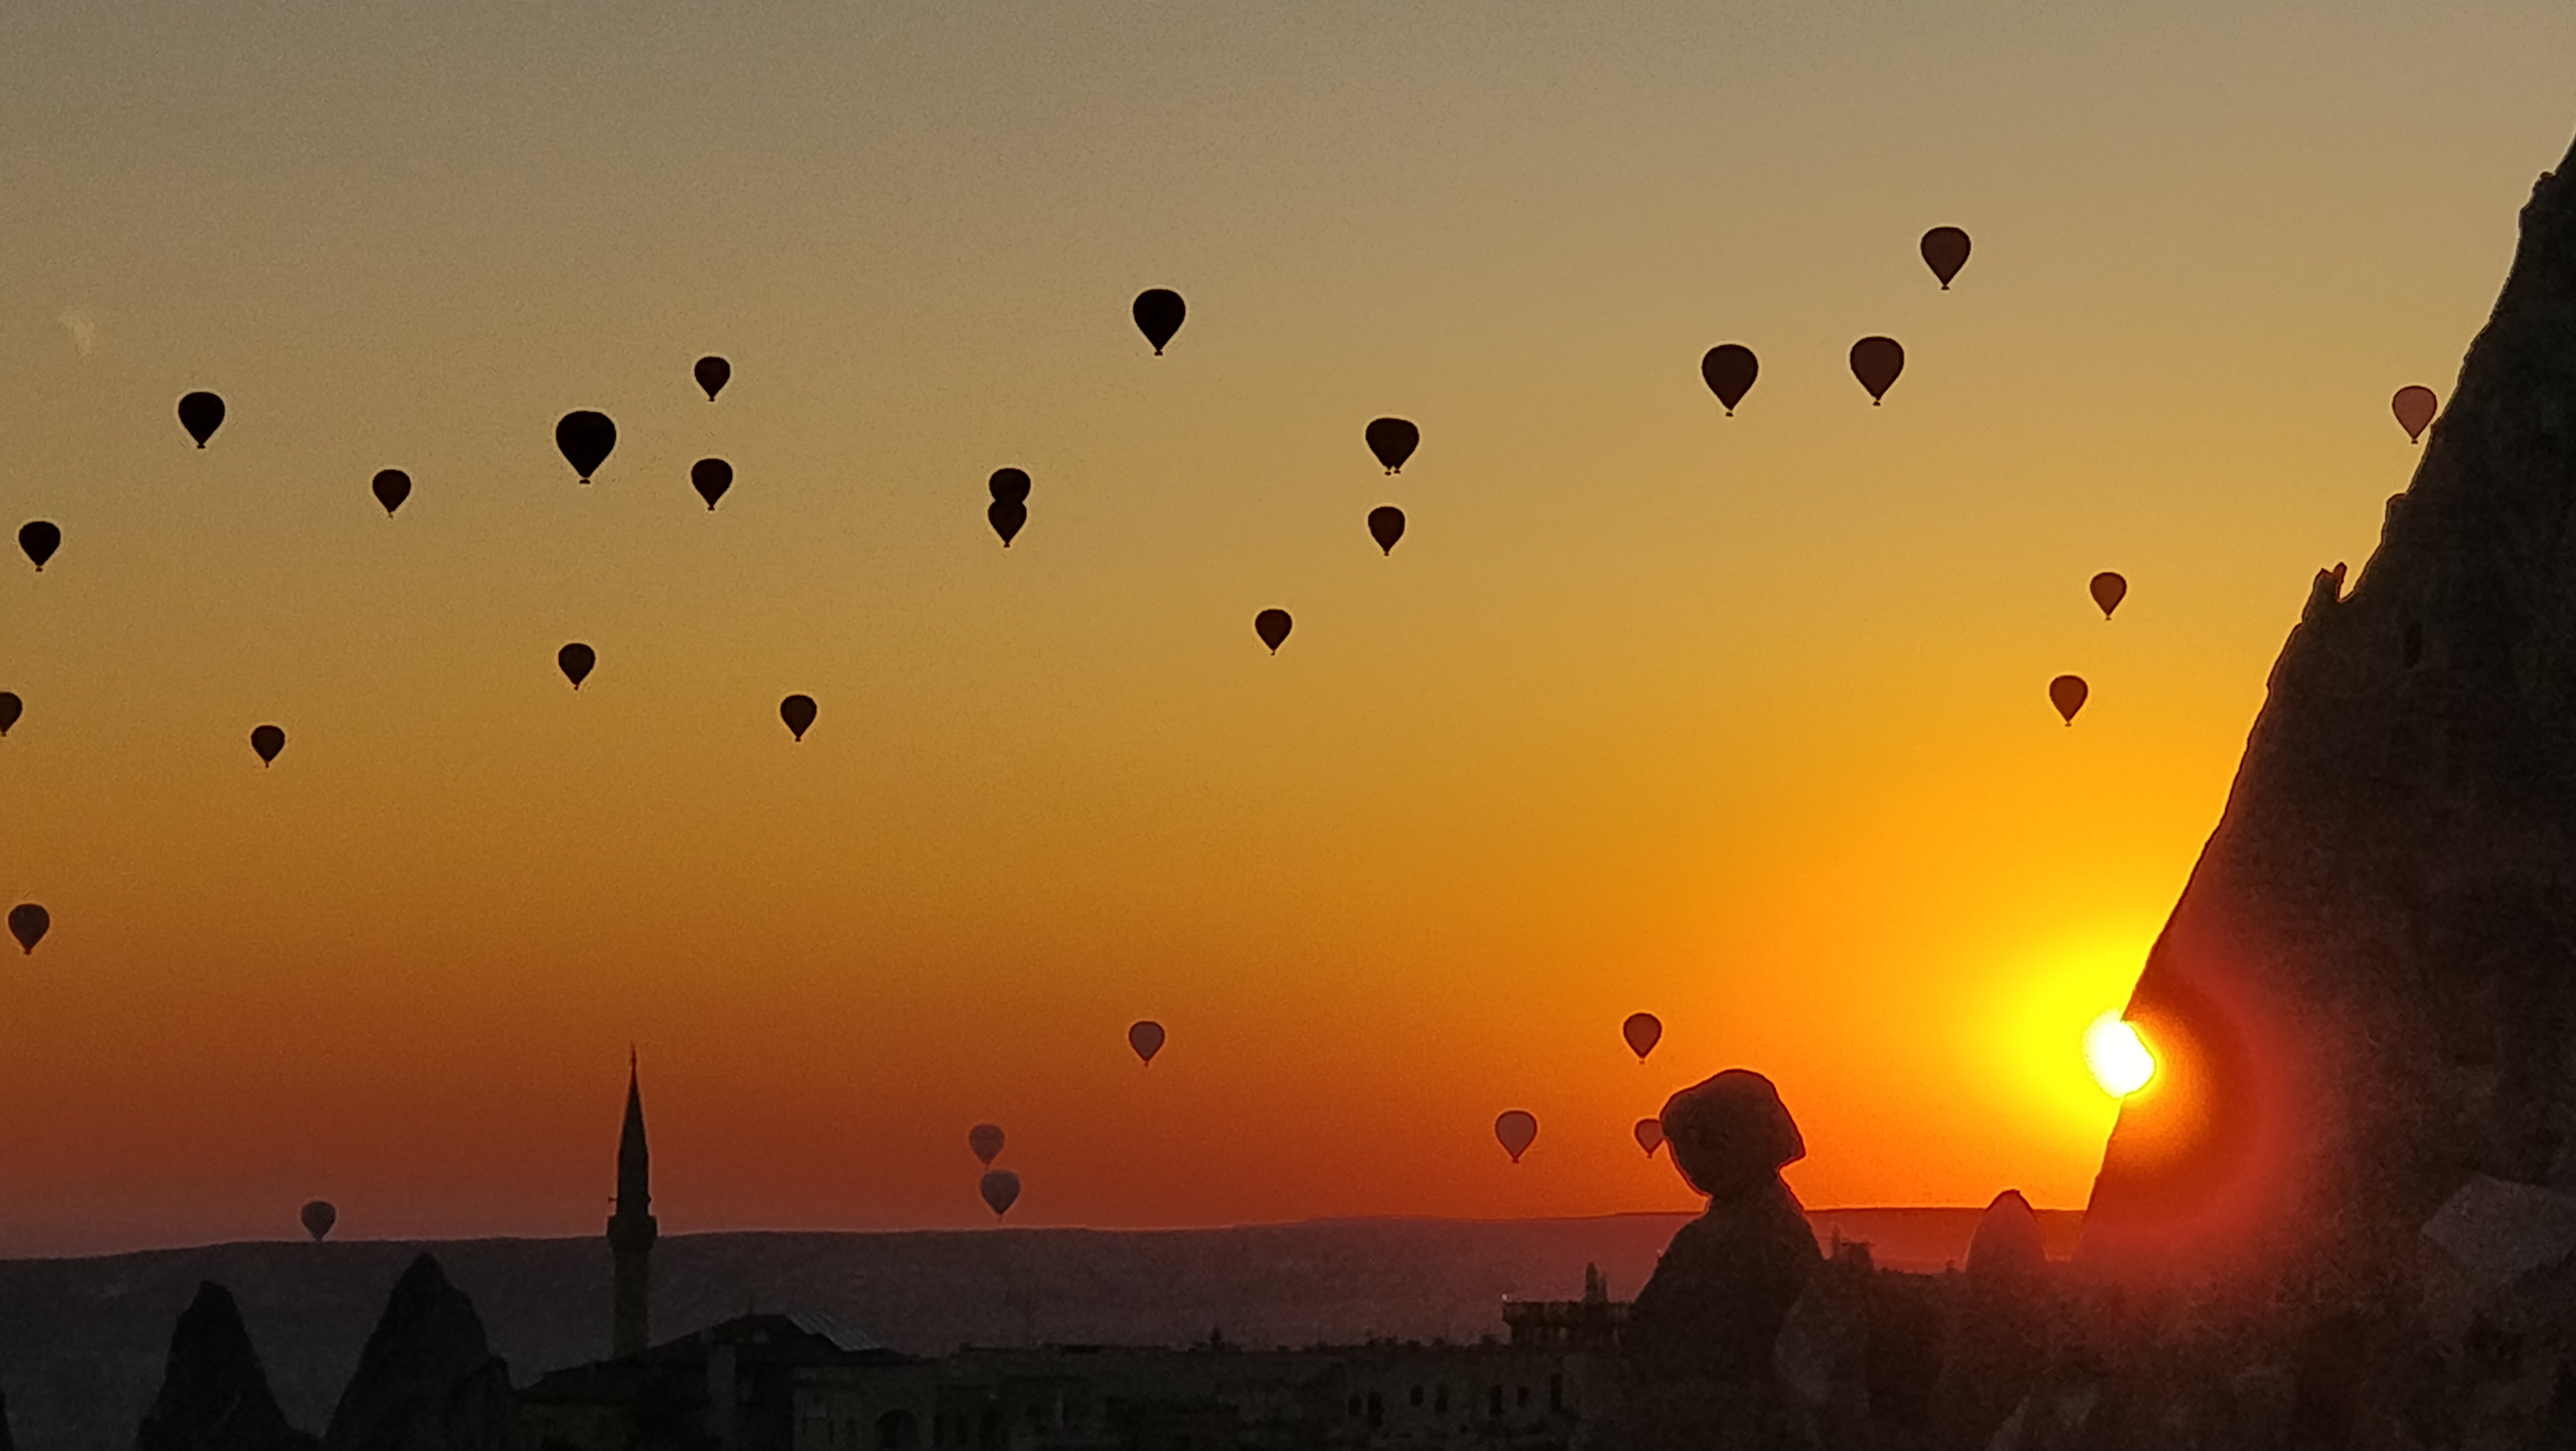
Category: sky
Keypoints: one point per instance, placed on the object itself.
(1742, 721)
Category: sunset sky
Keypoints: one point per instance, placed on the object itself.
(1742, 721)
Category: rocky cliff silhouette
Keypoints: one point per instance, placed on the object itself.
(428, 1380)
(214, 1394)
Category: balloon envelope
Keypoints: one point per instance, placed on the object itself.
(1729, 370)
(711, 477)
(576, 660)
(2108, 590)
(2067, 693)
(1272, 626)
(29, 923)
(1876, 362)
(39, 539)
(318, 1218)
(1001, 1190)
(267, 741)
(1516, 1129)
(585, 438)
(1008, 486)
(1945, 251)
(1007, 518)
(986, 1141)
(11, 707)
(1650, 1135)
(1393, 440)
(1146, 1037)
(712, 374)
(2414, 406)
(391, 487)
(798, 712)
(1386, 525)
(1159, 311)
(1643, 1031)
(201, 414)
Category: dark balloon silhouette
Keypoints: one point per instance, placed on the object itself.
(1876, 362)
(318, 1217)
(1159, 311)
(1272, 626)
(2067, 693)
(585, 438)
(1516, 1129)
(1386, 525)
(711, 477)
(712, 374)
(267, 741)
(2414, 406)
(391, 487)
(1393, 440)
(1945, 251)
(1643, 1031)
(576, 660)
(201, 414)
(1008, 486)
(40, 540)
(798, 712)
(1009, 511)
(1650, 1135)
(1146, 1037)
(11, 707)
(1001, 1190)
(1729, 369)
(986, 1141)
(29, 923)
(2108, 590)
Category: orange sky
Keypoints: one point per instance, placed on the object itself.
(1741, 721)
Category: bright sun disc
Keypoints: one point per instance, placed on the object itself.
(2120, 1063)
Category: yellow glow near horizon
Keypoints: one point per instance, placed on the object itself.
(2120, 1062)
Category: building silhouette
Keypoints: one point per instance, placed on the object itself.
(632, 1230)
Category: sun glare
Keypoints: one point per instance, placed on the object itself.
(2120, 1063)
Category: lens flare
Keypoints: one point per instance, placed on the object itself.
(2120, 1063)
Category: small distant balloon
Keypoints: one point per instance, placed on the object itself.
(39, 539)
(391, 487)
(266, 741)
(1386, 525)
(1159, 311)
(1650, 1135)
(1009, 511)
(712, 374)
(2067, 693)
(1272, 626)
(318, 1217)
(986, 1141)
(1945, 251)
(1516, 1129)
(1146, 1037)
(11, 707)
(576, 660)
(1643, 1031)
(585, 438)
(201, 414)
(798, 712)
(1393, 440)
(2414, 406)
(2108, 590)
(711, 477)
(1001, 1190)
(1876, 362)
(29, 923)
(1729, 370)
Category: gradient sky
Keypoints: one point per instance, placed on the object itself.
(1741, 721)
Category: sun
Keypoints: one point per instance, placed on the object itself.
(2120, 1062)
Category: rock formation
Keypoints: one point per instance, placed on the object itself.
(214, 1394)
(427, 1380)
(1998, 1322)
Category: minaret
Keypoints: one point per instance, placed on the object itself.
(631, 1229)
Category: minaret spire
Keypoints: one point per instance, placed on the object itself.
(632, 1229)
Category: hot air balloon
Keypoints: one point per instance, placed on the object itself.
(2414, 406)
(1009, 511)
(29, 923)
(267, 741)
(711, 477)
(1146, 1037)
(585, 438)
(1272, 626)
(712, 374)
(1729, 370)
(1945, 251)
(798, 712)
(2067, 693)
(986, 1141)
(1393, 440)
(576, 660)
(1516, 1129)
(1650, 1135)
(1001, 1190)
(11, 707)
(1159, 311)
(1008, 486)
(391, 486)
(1876, 362)
(318, 1217)
(2108, 590)
(1643, 1031)
(201, 414)
(1386, 525)
(40, 539)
